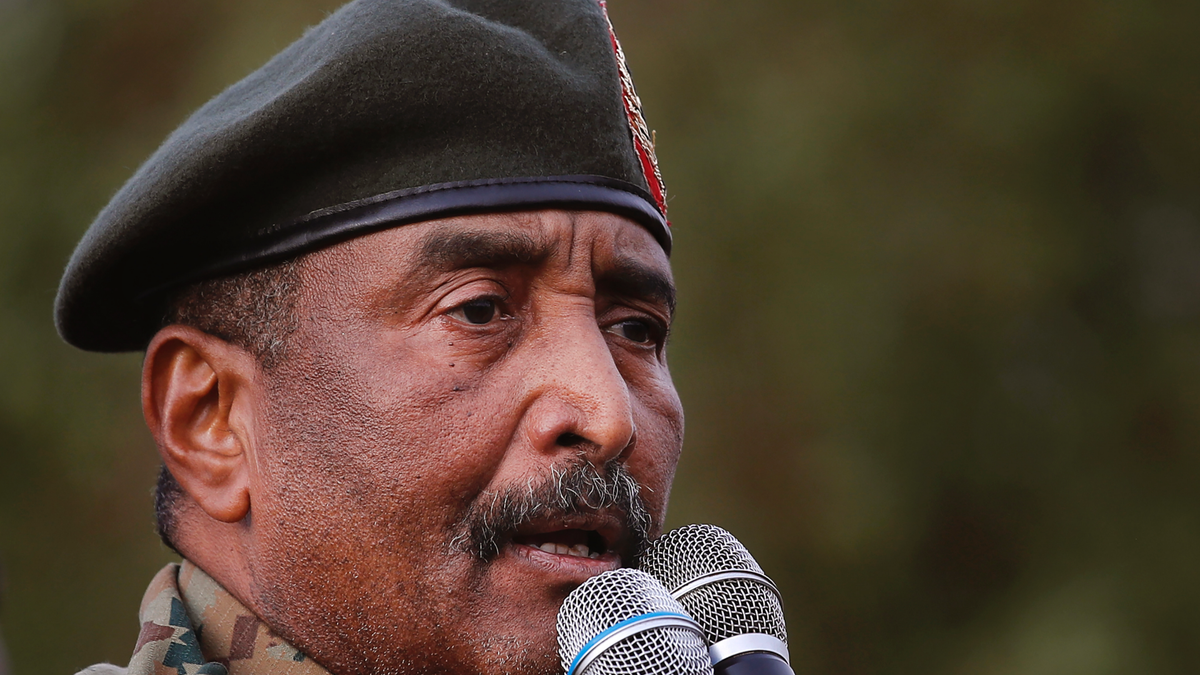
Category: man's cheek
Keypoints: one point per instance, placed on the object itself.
(418, 447)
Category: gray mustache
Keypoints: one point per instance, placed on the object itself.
(575, 489)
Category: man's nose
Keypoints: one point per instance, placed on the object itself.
(580, 399)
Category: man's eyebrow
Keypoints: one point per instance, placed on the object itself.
(459, 250)
(631, 279)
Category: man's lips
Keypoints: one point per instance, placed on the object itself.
(595, 537)
(563, 567)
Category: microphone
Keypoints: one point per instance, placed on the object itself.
(623, 622)
(719, 583)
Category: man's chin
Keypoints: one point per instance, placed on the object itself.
(524, 589)
(514, 656)
(516, 640)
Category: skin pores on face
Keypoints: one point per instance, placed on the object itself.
(441, 371)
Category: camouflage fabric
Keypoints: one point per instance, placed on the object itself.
(193, 626)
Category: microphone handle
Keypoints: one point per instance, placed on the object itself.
(753, 663)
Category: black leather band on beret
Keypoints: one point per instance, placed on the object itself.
(328, 226)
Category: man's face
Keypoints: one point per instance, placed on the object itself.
(474, 416)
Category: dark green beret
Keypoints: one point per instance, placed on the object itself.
(388, 112)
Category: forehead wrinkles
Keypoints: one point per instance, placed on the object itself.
(481, 245)
(548, 240)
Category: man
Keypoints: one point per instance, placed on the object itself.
(404, 297)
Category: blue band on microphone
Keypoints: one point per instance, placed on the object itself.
(617, 627)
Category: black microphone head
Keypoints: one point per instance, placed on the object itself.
(624, 622)
(718, 582)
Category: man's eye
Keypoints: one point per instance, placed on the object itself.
(477, 312)
(634, 330)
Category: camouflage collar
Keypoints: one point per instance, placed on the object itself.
(193, 626)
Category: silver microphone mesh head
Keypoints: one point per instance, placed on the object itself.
(725, 607)
(612, 597)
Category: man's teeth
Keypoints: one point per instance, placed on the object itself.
(578, 550)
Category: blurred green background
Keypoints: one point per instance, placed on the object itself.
(939, 336)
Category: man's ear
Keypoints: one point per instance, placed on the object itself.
(197, 397)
